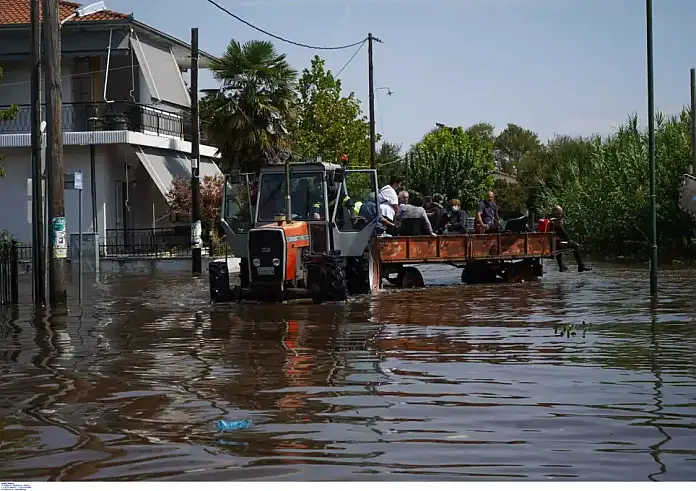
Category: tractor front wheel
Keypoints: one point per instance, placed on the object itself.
(244, 273)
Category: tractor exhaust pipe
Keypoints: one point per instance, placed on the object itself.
(288, 199)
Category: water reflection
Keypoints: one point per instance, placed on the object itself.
(450, 382)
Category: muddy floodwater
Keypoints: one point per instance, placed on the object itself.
(572, 377)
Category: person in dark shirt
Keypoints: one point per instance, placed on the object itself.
(487, 218)
(564, 242)
(457, 217)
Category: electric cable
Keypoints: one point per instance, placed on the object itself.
(351, 59)
(280, 38)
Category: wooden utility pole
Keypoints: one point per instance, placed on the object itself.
(38, 266)
(55, 179)
(371, 76)
(196, 266)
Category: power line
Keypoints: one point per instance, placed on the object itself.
(279, 37)
(351, 59)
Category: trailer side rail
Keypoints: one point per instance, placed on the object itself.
(466, 247)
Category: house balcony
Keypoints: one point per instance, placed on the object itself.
(109, 116)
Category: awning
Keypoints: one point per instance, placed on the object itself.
(165, 165)
(161, 73)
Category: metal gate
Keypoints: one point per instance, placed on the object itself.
(9, 268)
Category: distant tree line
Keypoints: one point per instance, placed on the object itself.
(267, 111)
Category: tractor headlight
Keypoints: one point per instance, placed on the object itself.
(276, 262)
(256, 262)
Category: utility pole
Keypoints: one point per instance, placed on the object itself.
(693, 121)
(195, 159)
(36, 174)
(651, 148)
(55, 179)
(371, 74)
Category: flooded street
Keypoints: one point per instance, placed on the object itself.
(573, 377)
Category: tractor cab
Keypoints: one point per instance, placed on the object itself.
(294, 220)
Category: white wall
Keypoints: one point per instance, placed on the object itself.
(16, 203)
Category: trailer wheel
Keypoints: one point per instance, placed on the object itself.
(244, 273)
(411, 278)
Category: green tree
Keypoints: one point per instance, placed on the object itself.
(389, 160)
(602, 184)
(512, 145)
(249, 116)
(6, 115)
(451, 162)
(329, 124)
(484, 131)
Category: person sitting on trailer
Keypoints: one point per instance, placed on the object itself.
(412, 218)
(487, 218)
(564, 243)
(368, 210)
(437, 214)
(457, 218)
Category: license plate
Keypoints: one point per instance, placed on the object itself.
(266, 270)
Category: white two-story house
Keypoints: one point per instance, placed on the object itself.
(125, 110)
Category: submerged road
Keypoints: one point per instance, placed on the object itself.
(572, 377)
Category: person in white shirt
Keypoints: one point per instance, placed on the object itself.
(388, 198)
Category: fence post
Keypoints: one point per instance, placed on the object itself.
(14, 274)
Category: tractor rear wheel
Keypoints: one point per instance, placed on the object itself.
(328, 282)
(358, 275)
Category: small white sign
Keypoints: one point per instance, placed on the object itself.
(77, 183)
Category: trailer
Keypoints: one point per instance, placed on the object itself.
(511, 257)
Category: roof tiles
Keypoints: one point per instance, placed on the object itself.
(18, 12)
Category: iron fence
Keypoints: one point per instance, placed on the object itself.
(9, 277)
(170, 242)
(109, 116)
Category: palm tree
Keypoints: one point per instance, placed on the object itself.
(248, 117)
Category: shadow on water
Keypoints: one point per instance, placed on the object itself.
(573, 377)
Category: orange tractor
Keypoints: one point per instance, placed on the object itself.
(302, 235)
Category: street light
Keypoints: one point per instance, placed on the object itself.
(86, 10)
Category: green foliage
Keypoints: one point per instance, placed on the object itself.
(389, 161)
(603, 187)
(512, 145)
(6, 115)
(510, 197)
(328, 123)
(452, 162)
(249, 116)
(483, 131)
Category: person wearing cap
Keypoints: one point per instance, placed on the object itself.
(437, 213)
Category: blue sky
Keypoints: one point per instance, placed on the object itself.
(554, 66)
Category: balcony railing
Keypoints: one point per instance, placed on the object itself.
(111, 116)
